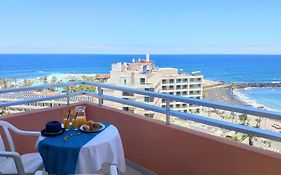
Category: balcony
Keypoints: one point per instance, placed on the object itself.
(153, 146)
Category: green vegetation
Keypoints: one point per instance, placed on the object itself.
(85, 87)
(4, 83)
(27, 83)
(54, 80)
(15, 82)
(243, 118)
(3, 111)
(204, 95)
(44, 80)
(233, 86)
(258, 120)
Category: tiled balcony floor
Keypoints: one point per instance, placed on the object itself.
(129, 171)
(104, 171)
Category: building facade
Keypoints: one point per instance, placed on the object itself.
(143, 74)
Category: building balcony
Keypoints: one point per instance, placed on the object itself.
(153, 146)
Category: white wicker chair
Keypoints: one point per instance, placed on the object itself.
(13, 163)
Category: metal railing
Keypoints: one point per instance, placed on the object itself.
(167, 111)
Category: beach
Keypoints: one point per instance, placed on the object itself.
(223, 93)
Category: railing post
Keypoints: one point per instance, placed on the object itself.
(167, 110)
(100, 92)
(67, 98)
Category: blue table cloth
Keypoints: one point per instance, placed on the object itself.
(60, 156)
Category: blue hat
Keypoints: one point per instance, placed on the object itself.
(52, 128)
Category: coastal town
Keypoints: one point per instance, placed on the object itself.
(144, 74)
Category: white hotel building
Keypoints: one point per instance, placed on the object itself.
(143, 74)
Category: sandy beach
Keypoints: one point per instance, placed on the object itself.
(223, 93)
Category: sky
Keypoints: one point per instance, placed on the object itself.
(141, 26)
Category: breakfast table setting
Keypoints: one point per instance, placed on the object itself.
(80, 146)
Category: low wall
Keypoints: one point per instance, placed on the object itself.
(170, 150)
(173, 150)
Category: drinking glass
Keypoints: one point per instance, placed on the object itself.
(74, 124)
(66, 123)
(81, 115)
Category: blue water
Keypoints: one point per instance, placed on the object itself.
(228, 68)
(268, 97)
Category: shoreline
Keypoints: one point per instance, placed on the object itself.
(229, 93)
(214, 90)
(256, 85)
(224, 94)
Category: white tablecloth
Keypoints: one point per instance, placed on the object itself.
(106, 147)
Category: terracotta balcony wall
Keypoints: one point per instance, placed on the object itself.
(164, 149)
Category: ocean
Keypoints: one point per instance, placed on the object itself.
(228, 68)
(267, 97)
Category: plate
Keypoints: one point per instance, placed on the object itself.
(96, 130)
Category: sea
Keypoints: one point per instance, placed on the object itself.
(227, 68)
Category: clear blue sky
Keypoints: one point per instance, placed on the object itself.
(140, 26)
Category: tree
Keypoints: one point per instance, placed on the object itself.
(27, 83)
(204, 93)
(243, 118)
(15, 81)
(4, 83)
(44, 80)
(258, 120)
(233, 86)
(251, 140)
(54, 80)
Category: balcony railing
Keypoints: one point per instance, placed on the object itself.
(167, 111)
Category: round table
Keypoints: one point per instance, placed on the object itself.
(105, 147)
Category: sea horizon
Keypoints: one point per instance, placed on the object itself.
(232, 67)
(216, 67)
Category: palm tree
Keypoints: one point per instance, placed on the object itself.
(204, 93)
(258, 120)
(233, 86)
(4, 83)
(54, 80)
(27, 82)
(44, 80)
(15, 81)
(243, 118)
(251, 140)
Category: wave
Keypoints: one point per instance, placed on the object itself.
(246, 99)
(249, 88)
(249, 100)
(64, 77)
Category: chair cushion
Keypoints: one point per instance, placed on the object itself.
(31, 162)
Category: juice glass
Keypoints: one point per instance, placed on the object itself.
(74, 124)
(66, 123)
(81, 115)
(81, 120)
